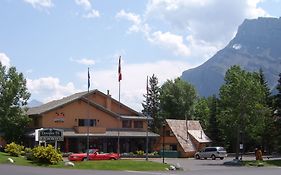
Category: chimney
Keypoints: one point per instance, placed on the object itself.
(108, 101)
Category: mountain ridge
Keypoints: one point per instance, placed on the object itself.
(256, 45)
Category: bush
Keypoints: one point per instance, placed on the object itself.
(14, 149)
(140, 152)
(155, 153)
(48, 155)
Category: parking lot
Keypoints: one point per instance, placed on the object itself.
(194, 164)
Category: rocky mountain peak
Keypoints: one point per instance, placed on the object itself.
(256, 45)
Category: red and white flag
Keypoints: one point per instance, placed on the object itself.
(119, 70)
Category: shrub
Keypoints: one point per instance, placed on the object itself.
(14, 149)
(140, 152)
(48, 155)
(155, 153)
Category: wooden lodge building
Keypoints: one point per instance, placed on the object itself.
(110, 122)
(185, 137)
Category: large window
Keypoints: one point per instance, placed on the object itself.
(126, 124)
(138, 124)
(84, 122)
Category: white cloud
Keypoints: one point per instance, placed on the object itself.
(129, 16)
(208, 20)
(86, 4)
(5, 60)
(170, 41)
(137, 26)
(49, 88)
(202, 50)
(133, 83)
(84, 61)
(207, 25)
(40, 3)
(92, 14)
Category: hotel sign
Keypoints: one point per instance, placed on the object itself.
(49, 134)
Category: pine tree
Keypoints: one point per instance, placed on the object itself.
(268, 97)
(269, 133)
(278, 97)
(151, 104)
(278, 114)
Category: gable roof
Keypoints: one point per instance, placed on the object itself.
(55, 104)
(182, 129)
(81, 95)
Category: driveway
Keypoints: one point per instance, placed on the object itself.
(193, 164)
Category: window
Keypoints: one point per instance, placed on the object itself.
(138, 124)
(83, 122)
(210, 149)
(126, 124)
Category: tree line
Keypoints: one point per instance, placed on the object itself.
(244, 112)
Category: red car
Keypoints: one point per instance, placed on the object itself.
(93, 155)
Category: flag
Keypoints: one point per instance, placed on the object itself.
(147, 85)
(88, 79)
(119, 70)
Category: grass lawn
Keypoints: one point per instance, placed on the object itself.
(132, 165)
(264, 163)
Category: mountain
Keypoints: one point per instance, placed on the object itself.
(34, 103)
(256, 45)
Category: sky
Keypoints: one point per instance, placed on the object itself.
(53, 42)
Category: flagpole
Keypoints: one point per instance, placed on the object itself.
(119, 80)
(146, 150)
(88, 120)
(118, 132)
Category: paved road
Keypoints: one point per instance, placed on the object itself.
(191, 167)
(23, 170)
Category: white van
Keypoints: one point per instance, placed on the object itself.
(211, 152)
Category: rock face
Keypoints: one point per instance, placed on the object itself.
(256, 45)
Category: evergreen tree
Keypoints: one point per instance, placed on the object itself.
(269, 133)
(13, 98)
(268, 97)
(151, 104)
(278, 98)
(277, 114)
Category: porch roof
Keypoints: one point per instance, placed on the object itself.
(122, 133)
(140, 117)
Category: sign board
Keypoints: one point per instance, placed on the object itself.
(241, 146)
(48, 134)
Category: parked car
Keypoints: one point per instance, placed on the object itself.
(93, 155)
(211, 152)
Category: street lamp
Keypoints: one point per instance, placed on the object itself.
(163, 143)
